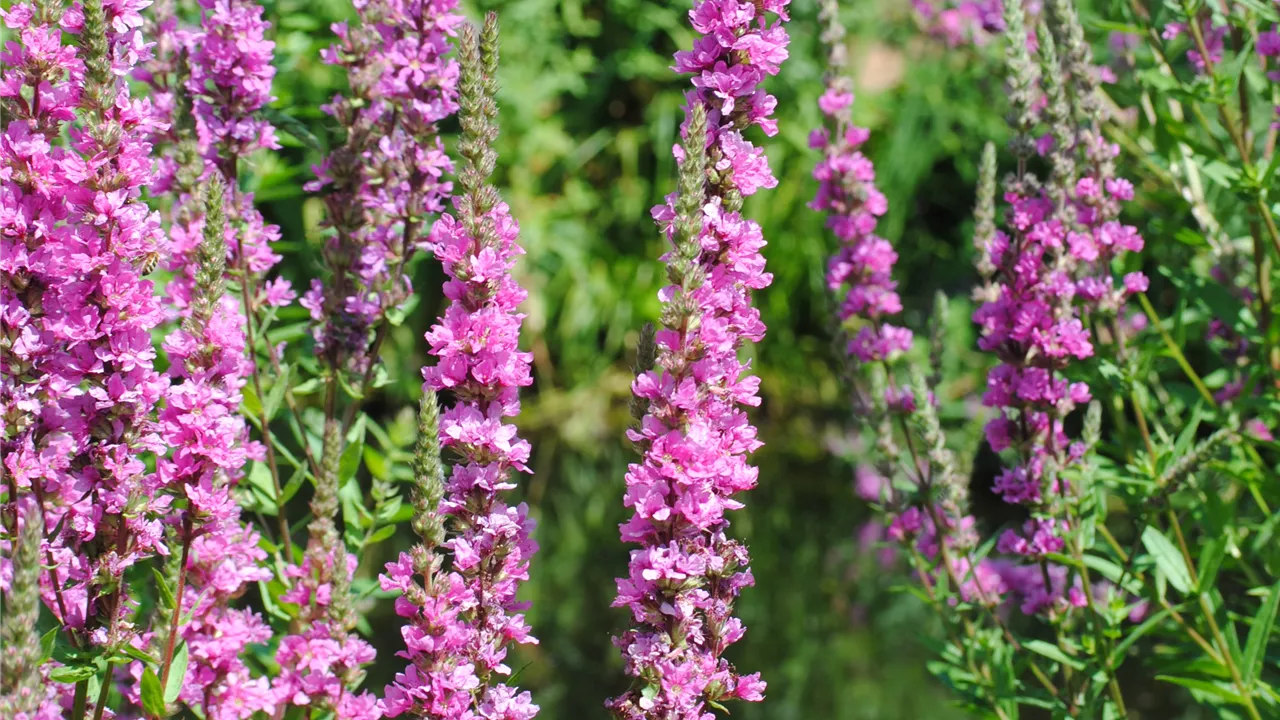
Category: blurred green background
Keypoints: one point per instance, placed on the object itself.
(589, 112)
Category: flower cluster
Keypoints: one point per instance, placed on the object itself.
(694, 434)
(229, 83)
(861, 274)
(862, 270)
(1269, 47)
(461, 623)
(78, 387)
(389, 175)
(975, 581)
(211, 445)
(210, 84)
(320, 662)
(231, 76)
(969, 22)
(1214, 37)
(961, 22)
(1051, 262)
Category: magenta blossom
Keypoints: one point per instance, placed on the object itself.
(696, 437)
(389, 177)
(461, 622)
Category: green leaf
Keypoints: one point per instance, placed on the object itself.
(377, 464)
(264, 489)
(1112, 26)
(1113, 572)
(286, 123)
(269, 603)
(349, 463)
(1211, 556)
(1255, 648)
(291, 488)
(139, 655)
(177, 673)
(250, 406)
(72, 674)
(1262, 8)
(307, 387)
(1188, 435)
(1053, 652)
(389, 509)
(47, 642)
(1203, 686)
(380, 534)
(1220, 173)
(152, 696)
(276, 396)
(1117, 655)
(162, 584)
(1168, 559)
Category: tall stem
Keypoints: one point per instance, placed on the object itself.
(103, 693)
(1207, 612)
(384, 326)
(177, 601)
(246, 298)
(79, 705)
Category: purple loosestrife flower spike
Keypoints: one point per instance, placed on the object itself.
(934, 519)
(1022, 80)
(961, 22)
(221, 82)
(984, 225)
(695, 436)
(210, 441)
(646, 356)
(228, 85)
(25, 693)
(321, 665)
(1060, 119)
(428, 475)
(1077, 58)
(79, 388)
(211, 256)
(388, 177)
(1053, 260)
(861, 273)
(440, 681)
(231, 74)
(461, 623)
(938, 337)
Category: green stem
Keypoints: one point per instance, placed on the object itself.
(246, 298)
(103, 693)
(1176, 351)
(1207, 612)
(79, 704)
(177, 601)
(939, 607)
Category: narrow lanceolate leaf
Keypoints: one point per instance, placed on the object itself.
(1168, 560)
(1255, 648)
(177, 672)
(1219, 690)
(152, 695)
(1053, 652)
